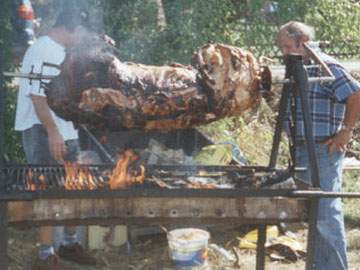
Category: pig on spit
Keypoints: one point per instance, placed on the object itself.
(97, 89)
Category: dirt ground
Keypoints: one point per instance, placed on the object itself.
(151, 252)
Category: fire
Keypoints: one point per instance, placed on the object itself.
(77, 178)
(42, 181)
(202, 186)
(29, 184)
(122, 176)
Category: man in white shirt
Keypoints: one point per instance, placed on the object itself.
(46, 138)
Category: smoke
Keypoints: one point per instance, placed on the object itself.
(88, 12)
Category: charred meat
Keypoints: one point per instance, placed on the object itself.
(97, 89)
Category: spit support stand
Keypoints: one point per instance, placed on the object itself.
(39, 76)
(296, 84)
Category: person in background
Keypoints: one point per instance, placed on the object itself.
(334, 110)
(46, 138)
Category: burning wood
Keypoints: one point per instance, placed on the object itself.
(29, 185)
(128, 172)
(32, 182)
(96, 88)
(122, 176)
(77, 178)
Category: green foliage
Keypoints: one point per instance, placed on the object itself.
(10, 145)
(13, 149)
(351, 183)
(253, 132)
(338, 22)
(134, 26)
(248, 24)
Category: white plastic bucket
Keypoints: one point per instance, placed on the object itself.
(188, 247)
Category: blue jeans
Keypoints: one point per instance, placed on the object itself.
(330, 241)
(36, 147)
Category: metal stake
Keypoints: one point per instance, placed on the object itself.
(260, 247)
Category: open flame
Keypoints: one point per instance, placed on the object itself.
(77, 178)
(122, 176)
(29, 184)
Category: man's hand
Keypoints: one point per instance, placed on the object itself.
(339, 141)
(56, 145)
(56, 141)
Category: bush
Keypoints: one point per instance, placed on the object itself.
(10, 144)
(190, 24)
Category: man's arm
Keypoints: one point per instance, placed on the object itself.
(352, 115)
(56, 141)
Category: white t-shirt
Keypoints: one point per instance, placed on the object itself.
(43, 50)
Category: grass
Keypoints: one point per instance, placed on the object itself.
(351, 183)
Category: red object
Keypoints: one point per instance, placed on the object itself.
(25, 12)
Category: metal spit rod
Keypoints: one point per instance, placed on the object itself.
(31, 76)
(98, 144)
(39, 76)
(161, 193)
(308, 46)
(324, 194)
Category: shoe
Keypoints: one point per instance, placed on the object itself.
(76, 253)
(51, 263)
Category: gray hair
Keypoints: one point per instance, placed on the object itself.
(297, 31)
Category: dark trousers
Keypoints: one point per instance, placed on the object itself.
(36, 147)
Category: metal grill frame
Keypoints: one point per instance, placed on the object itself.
(297, 76)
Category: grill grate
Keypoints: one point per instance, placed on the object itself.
(53, 178)
(31, 178)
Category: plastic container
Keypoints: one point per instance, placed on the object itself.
(188, 247)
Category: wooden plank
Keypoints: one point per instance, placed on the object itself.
(154, 208)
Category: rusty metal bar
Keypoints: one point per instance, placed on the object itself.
(31, 76)
(191, 221)
(171, 193)
(285, 96)
(318, 60)
(301, 79)
(260, 247)
(143, 192)
(301, 88)
(324, 194)
(310, 249)
(98, 144)
(310, 80)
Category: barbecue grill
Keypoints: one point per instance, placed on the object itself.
(36, 195)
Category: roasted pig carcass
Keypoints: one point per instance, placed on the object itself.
(97, 89)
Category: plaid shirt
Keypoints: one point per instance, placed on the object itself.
(327, 101)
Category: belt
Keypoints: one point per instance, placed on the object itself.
(317, 141)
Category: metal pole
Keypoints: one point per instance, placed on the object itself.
(279, 126)
(301, 88)
(3, 205)
(98, 144)
(3, 236)
(324, 194)
(260, 247)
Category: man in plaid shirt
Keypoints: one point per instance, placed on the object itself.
(334, 109)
